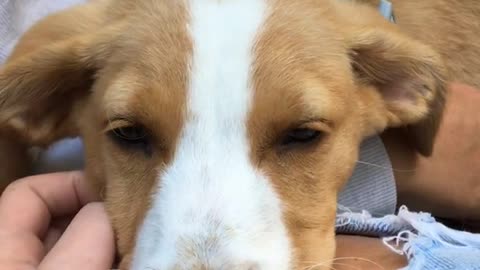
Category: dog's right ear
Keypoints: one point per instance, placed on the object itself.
(41, 93)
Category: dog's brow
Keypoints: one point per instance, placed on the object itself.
(126, 117)
(307, 120)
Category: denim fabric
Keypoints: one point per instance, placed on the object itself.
(372, 185)
(427, 244)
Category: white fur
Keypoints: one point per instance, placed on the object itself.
(213, 207)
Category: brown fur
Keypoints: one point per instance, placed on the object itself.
(347, 73)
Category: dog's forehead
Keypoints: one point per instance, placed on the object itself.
(161, 51)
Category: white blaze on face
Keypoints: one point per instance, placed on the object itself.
(212, 206)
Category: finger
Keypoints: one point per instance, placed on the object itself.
(25, 211)
(51, 238)
(56, 229)
(88, 243)
(20, 251)
(28, 204)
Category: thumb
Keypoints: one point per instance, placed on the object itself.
(88, 242)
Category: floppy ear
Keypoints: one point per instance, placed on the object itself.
(410, 78)
(41, 93)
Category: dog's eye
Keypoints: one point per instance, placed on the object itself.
(301, 136)
(131, 136)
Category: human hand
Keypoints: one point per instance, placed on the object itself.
(52, 222)
(447, 184)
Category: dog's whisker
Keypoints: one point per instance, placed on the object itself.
(384, 167)
(360, 259)
(347, 265)
(335, 261)
(320, 265)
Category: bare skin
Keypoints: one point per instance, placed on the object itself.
(51, 222)
(358, 252)
(447, 183)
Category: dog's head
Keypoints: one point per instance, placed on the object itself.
(219, 132)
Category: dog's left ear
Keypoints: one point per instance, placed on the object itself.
(403, 83)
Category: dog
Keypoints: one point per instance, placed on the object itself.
(219, 132)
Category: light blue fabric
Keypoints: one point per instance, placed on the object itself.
(386, 9)
(372, 185)
(427, 244)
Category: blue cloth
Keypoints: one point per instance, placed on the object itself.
(386, 9)
(372, 185)
(427, 244)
